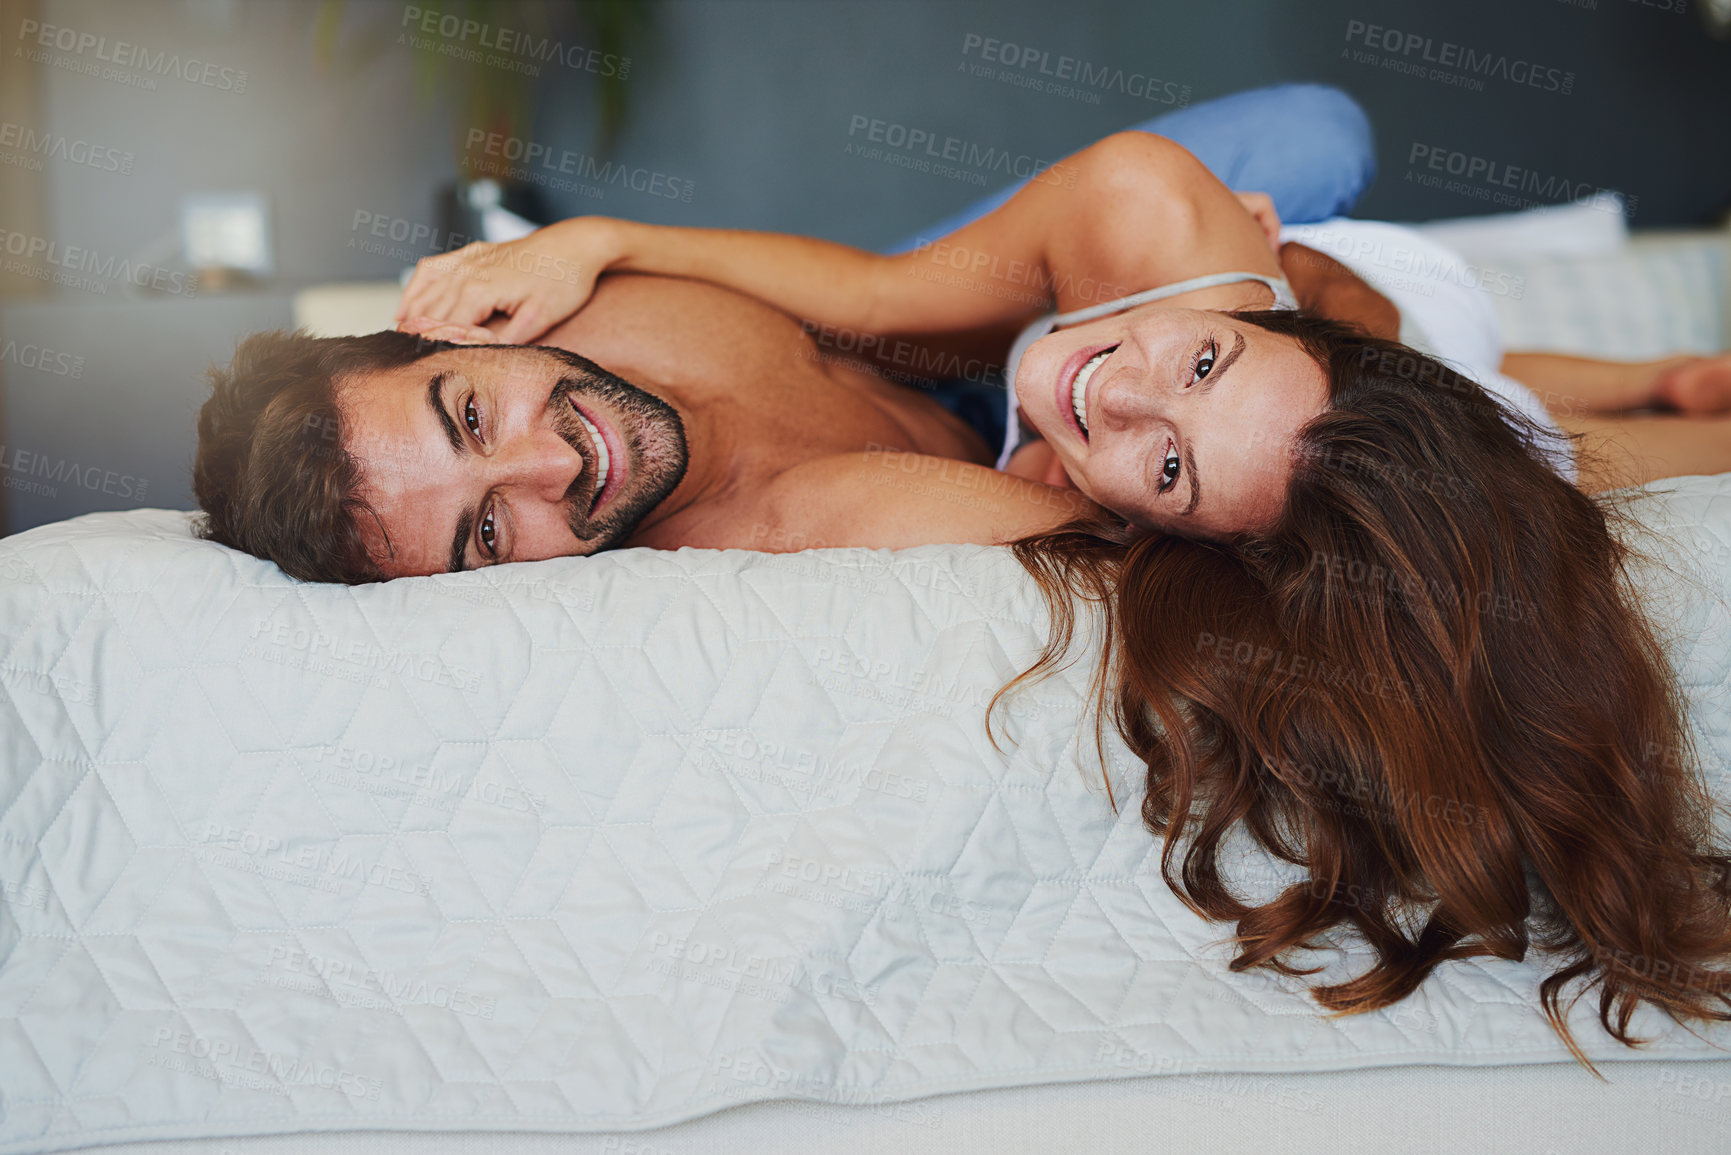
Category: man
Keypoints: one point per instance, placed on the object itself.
(719, 422)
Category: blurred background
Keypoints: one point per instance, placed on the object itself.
(175, 174)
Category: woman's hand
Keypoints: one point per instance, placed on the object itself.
(456, 333)
(516, 290)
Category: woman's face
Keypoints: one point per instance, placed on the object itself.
(1178, 420)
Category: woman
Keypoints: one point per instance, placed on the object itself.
(1353, 605)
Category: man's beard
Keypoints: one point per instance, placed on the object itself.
(656, 455)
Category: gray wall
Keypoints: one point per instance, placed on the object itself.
(748, 102)
(752, 100)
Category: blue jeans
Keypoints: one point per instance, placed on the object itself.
(1306, 145)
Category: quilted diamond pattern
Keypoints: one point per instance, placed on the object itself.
(607, 843)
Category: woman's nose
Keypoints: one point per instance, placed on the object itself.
(1125, 398)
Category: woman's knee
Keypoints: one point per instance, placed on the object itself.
(1309, 146)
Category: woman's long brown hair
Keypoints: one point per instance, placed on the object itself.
(1431, 685)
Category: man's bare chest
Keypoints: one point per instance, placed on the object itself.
(763, 393)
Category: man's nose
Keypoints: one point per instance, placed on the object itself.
(543, 463)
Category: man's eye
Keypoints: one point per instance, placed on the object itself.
(489, 534)
(1204, 361)
(472, 417)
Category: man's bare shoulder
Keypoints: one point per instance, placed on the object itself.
(671, 329)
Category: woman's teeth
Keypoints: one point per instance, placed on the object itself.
(600, 445)
(1079, 388)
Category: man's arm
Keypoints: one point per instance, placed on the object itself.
(888, 499)
(1127, 213)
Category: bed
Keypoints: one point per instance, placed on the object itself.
(690, 851)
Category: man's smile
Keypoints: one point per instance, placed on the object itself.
(607, 453)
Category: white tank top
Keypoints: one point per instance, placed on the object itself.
(1283, 299)
(1445, 309)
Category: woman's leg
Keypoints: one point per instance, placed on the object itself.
(1619, 449)
(1636, 448)
(1307, 146)
(1580, 386)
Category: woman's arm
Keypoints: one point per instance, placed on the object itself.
(1128, 213)
(1118, 217)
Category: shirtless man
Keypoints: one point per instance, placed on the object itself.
(718, 422)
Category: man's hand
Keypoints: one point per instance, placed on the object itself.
(517, 290)
(1324, 285)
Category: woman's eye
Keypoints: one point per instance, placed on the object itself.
(489, 534)
(471, 417)
(1169, 468)
(1205, 362)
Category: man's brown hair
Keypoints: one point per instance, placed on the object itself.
(271, 473)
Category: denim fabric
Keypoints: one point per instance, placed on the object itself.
(1307, 146)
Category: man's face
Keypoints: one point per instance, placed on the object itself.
(489, 454)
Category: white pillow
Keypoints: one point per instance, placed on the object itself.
(1590, 227)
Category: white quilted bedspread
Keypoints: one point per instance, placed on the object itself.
(600, 844)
